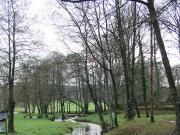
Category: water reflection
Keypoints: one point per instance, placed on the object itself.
(87, 129)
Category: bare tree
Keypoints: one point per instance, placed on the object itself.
(165, 60)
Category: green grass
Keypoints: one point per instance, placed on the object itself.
(138, 126)
(142, 126)
(27, 126)
(20, 108)
(73, 107)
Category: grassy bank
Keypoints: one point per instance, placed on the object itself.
(163, 124)
(27, 126)
(139, 126)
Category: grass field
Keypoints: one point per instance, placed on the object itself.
(143, 126)
(27, 126)
(163, 125)
(20, 108)
(139, 126)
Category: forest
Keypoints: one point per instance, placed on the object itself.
(123, 78)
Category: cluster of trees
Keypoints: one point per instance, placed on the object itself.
(117, 66)
(16, 41)
(115, 36)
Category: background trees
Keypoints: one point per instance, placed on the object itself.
(95, 23)
(115, 68)
(13, 29)
(15, 42)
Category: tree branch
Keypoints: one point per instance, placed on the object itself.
(76, 1)
(140, 1)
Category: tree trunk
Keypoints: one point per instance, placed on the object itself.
(161, 45)
(121, 41)
(33, 107)
(133, 95)
(57, 106)
(25, 107)
(106, 85)
(54, 110)
(12, 61)
(143, 78)
(157, 77)
(11, 109)
(86, 106)
(99, 111)
(62, 109)
(165, 59)
(114, 97)
(177, 129)
(29, 109)
(152, 75)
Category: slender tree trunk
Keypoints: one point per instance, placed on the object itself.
(39, 110)
(28, 106)
(157, 75)
(161, 45)
(99, 111)
(62, 109)
(29, 109)
(177, 130)
(143, 78)
(165, 61)
(133, 95)
(33, 107)
(57, 106)
(178, 25)
(25, 107)
(152, 75)
(11, 72)
(114, 96)
(130, 111)
(86, 106)
(109, 96)
(11, 109)
(53, 110)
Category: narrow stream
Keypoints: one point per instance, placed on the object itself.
(85, 129)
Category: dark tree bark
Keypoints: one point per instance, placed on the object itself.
(62, 109)
(152, 75)
(123, 48)
(143, 78)
(177, 130)
(133, 95)
(11, 108)
(157, 75)
(12, 61)
(91, 91)
(33, 107)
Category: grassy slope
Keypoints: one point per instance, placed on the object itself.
(26, 126)
(142, 126)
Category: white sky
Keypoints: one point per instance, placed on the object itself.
(43, 10)
(53, 38)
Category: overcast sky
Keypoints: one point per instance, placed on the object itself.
(43, 10)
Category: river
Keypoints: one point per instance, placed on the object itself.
(86, 128)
